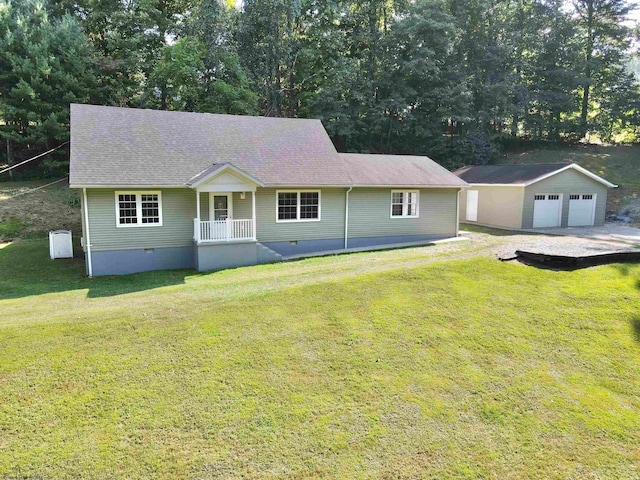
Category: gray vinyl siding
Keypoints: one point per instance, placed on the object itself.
(331, 224)
(242, 208)
(178, 212)
(566, 183)
(370, 214)
(84, 227)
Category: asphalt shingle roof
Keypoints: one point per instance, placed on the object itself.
(397, 170)
(113, 146)
(506, 174)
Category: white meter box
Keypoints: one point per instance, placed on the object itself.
(60, 244)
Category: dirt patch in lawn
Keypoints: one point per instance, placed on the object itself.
(26, 214)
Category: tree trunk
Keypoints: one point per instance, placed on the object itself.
(163, 97)
(9, 158)
(292, 66)
(584, 113)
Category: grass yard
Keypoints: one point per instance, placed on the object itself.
(372, 365)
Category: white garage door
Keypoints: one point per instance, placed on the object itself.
(472, 205)
(582, 209)
(547, 209)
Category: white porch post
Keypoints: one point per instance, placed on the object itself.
(198, 204)
(253, 214)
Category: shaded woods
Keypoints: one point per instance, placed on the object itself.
(457, 80)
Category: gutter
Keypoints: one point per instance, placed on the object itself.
(346, 218)
(88, 237)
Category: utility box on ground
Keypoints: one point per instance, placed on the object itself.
(60, 244)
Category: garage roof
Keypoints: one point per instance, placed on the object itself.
(520, 174)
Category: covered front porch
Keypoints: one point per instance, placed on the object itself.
(225, 206)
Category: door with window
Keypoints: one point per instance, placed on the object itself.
(220, 206)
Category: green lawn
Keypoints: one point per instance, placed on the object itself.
(372, 365)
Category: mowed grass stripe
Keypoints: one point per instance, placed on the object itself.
(462, 369)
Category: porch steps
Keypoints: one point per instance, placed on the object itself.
(266, 255)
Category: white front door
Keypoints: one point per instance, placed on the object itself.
(547, 210)
(582, 209)
(472, 205)
(220, 206)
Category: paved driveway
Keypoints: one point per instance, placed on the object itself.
(609, 232)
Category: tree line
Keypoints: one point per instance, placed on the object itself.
(453, 79)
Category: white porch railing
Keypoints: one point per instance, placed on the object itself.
(222, 230)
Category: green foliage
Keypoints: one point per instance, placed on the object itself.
(451, 79)
(201, 71)
(605, 39)
(175, 78)
(46, 64)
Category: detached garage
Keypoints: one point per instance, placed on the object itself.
(533, 196)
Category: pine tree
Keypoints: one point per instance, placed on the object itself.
(47, 64)
(605, 38)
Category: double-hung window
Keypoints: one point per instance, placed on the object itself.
(298, 206)
(404, 203)
(138, 209)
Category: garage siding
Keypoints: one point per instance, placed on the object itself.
(497, 206)
(565, 183)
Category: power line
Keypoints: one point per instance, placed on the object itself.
(37, 188)
(31, 159)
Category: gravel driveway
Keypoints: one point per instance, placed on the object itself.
(503, 244)
(618, 233)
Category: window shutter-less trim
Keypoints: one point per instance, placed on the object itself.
(405, 203)
(297, 206)
(138, 209)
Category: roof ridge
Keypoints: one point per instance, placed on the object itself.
(181, 112)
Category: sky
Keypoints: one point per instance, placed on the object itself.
(635, 15)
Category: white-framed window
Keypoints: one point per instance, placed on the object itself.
(297, 205)
(404, 203)
(138, 209)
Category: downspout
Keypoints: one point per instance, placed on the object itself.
(458, 212)
(346, 219)
(86, 226)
